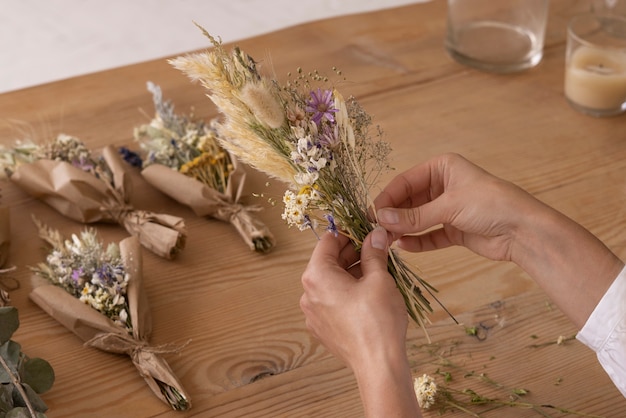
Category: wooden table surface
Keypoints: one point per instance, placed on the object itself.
(250, 353)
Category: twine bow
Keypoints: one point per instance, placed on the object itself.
(126, 344)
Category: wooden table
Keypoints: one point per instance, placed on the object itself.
(250, 353)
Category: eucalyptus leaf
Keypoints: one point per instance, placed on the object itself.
(22, 412)
(10, 352)
(9, 322)
(36, 402)
(37, 373)
(32, 376)
(6, 399)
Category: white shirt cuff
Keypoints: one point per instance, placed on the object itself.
(605, 332)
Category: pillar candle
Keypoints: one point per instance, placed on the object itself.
(596, 78)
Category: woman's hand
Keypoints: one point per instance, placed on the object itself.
(357, 312)
(450, 201)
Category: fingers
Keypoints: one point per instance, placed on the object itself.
(408, 189)
(432, 240)
(433, 193)
(409, 203)
(333, 249)
(374, 253)
(415, 219)
(327, 266)
(423, 182)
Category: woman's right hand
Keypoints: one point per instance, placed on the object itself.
(450, 201)
(462, 202)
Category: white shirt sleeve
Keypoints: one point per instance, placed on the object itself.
(605, 332)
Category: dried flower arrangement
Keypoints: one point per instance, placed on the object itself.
(182, 158)
(97, 293)
(307, 135)
(87, 188)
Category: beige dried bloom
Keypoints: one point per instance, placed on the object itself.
(237, 90)
(425, 390)
(263, 104)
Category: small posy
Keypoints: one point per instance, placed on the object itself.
(87, 188)
(182, 157)
(305, 133)
(97, 293)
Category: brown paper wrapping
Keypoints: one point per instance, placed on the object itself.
(85, 198)
(100, 332)
(206, 201)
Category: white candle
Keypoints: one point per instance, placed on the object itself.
(596, 78)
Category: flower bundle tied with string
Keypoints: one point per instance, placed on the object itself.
(308, 136)
(97, 293)
(88, 188)
(182, 158)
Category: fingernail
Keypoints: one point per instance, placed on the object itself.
(379, 238)
(388, 216)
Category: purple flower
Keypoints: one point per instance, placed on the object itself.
(76, 275)
(131, 157)
(106, 273)
(332, 227)
(329, 137)
(84, 164)
(321, 105)
(307, 222)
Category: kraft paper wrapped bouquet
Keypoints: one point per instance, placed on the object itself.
(88, 188)
(97, 293)
(307, 135)
(182, 157)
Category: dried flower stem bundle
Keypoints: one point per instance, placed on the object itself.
(64, 174)
(185, 161)
(309, 137)
(97, 293)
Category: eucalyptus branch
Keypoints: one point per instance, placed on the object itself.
(15, 380)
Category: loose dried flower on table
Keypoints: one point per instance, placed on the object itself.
(307, 135)
(451, 388)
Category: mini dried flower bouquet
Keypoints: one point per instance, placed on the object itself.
(311, 138)
(97, 293)
(182, 158)
(88, 188)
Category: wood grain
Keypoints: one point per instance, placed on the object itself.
(249, 353)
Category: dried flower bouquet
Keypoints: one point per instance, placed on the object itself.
(66, 175)
(309, 137)
(184, 160)
(97, 293)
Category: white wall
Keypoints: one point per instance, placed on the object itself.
(47, 40)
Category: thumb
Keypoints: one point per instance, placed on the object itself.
(374, 252)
